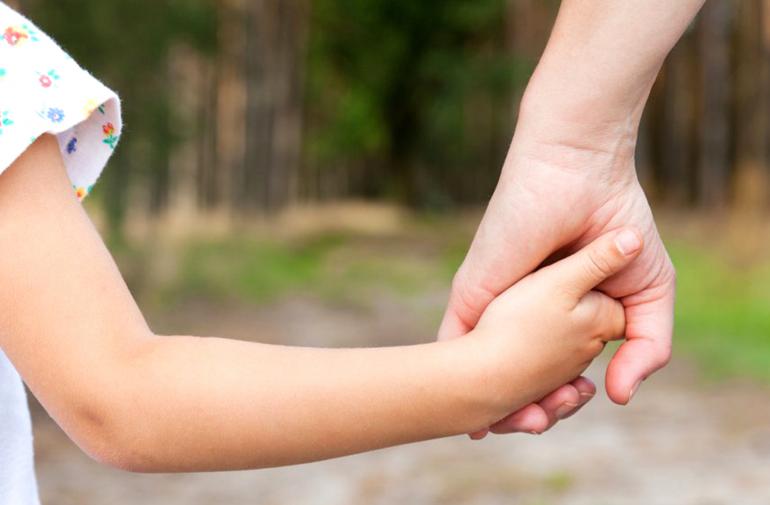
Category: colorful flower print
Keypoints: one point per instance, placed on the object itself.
(5, 121)
(90, 106)
(43, 90)
(14, 37)
(55, 115)
(17, 35)
(47, 79)
(109, 135)
(82, 192)
(72, 145)
(93, 105)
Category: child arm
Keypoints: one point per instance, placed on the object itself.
(143, 402)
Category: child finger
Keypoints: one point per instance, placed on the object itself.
(613, 318)
(606, 315)
(609, 254)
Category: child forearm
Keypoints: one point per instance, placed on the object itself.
(142, 402)
(135, 400)
(191, 404)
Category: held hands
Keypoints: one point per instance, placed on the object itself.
(556, 196)
(547, 328)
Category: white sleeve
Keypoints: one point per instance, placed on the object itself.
(43, 90)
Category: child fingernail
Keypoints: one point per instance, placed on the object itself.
(628, 242)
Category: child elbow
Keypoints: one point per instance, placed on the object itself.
(119, 453)
(111, 436)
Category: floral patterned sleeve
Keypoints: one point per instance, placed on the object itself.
(43, 90)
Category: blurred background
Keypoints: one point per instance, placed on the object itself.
(312, 171)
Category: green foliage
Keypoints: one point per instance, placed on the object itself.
(421, 91)
(421, 85)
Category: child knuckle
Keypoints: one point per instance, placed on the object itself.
(597, 346)
(587, 313)
(597, 264)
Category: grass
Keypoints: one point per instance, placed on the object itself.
(723, 313)
(254, 270)
(333, 267)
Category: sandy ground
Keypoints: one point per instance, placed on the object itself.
(682, 441)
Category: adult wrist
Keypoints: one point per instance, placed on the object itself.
(577, 122)
(559, 135)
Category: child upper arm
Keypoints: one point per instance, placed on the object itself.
(68, 322)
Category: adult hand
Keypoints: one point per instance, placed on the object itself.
(554, 199)
(570, 177)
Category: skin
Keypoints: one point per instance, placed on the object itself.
(144, 402)
(570, 177)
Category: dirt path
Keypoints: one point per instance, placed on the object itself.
(682, 442)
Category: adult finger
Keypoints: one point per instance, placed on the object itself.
(539, 417)
(530, 419)
(587, 390)
(649, 326)
(508, 245)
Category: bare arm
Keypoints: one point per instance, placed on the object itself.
(600, 62)
(149, 403)
(73, 330)
(570, 176)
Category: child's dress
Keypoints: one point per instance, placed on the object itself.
(43, 90)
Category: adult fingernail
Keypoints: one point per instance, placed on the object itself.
(634, 389)
(584, 397)
(564, 409)
(628, 242)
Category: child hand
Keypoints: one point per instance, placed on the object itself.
(546, 329)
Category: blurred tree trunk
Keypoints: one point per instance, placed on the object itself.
(752, 106)
(714, 32)
(159, 152)
(208, 176)
(289, 100)
(230, 103)
(189, 71)
(274, 72)
(260, 47)
(526, 37)
(765, 75)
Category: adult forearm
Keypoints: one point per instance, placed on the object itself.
(193, 404)
(569, 176)
(599, 65)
